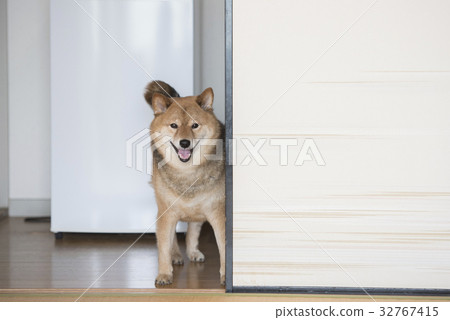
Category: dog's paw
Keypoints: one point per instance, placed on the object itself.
(163, 279)
(177, 259)
(196, 256)
(222, 280)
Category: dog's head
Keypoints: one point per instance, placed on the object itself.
(180, 124)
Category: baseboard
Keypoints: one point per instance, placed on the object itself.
(29, 207)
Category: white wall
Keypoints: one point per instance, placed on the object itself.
(29, 102)
(3, 108)
(210, 51)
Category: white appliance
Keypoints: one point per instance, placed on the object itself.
(103, 53)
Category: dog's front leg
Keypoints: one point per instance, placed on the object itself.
(218, 224)
(177, 257)
(165, 229)
(192, 235)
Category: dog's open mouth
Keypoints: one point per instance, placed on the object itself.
(183, 154)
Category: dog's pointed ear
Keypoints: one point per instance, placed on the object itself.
(205, 100)
(160, 103)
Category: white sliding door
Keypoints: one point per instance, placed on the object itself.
(365, 87)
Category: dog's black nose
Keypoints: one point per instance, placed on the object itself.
(185, 143)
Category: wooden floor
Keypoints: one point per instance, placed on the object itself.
(31, 258)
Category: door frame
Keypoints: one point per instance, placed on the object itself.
(228, 150)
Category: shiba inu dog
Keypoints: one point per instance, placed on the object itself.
(188, 186)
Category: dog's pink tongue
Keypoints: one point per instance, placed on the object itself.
(184, 153)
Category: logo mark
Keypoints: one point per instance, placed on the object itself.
(138, 151)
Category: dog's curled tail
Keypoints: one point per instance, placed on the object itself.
(161, 87)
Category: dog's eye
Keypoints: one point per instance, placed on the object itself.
(195, 126)
(173, 125)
